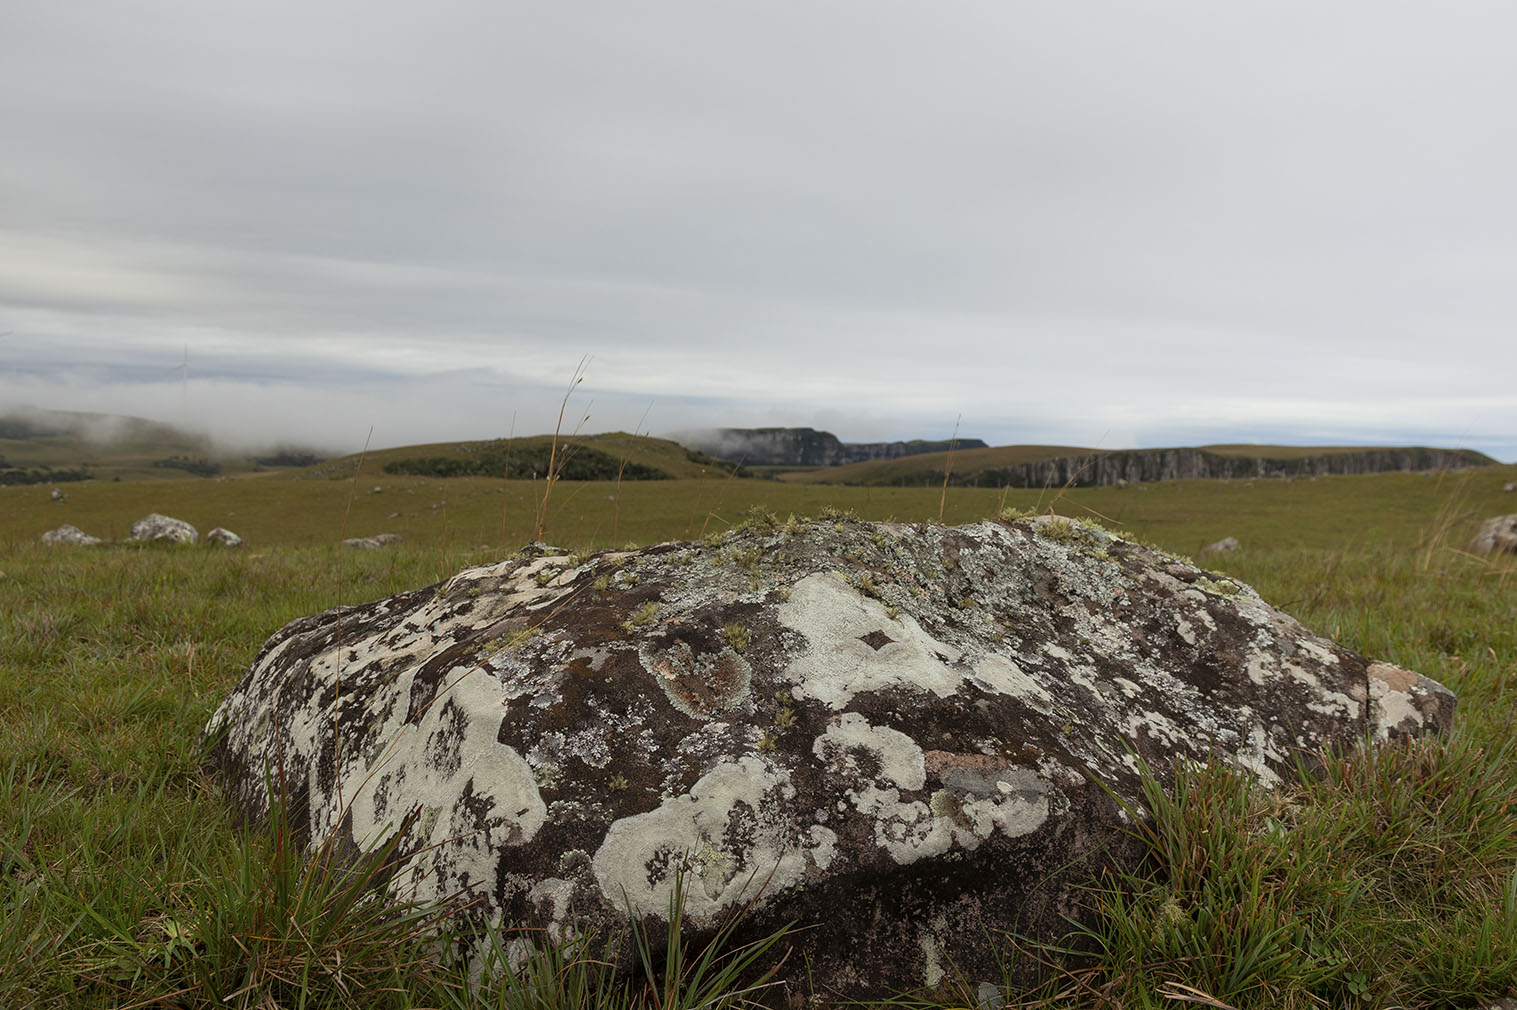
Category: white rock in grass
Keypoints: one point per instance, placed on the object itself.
(165, 528)
(223, 536)
(375, 542)
(67, 534)
(1498, 535)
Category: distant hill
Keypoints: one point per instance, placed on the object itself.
(589, 457)
(807, 447)
(58, 446)
(1057, 466)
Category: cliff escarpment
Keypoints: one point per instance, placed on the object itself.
(808, 447)
(1131, 466)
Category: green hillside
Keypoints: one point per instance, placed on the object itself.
(589, 457)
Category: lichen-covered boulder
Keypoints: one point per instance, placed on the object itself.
(223, 537)
(163, 528)
(69, 534)
(1498, 535)
(896, 731)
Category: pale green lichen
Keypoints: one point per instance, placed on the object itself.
(945, 804)
(1218, 587)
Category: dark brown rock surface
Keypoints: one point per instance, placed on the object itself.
(893, 730)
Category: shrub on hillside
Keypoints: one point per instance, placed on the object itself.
(198, 467)
(11, 475)
(527, 462)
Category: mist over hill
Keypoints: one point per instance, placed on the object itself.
(53, 446)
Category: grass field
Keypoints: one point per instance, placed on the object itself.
(1389, 881)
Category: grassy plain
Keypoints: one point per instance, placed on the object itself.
(1388, 881)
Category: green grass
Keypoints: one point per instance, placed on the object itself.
(1385, 880)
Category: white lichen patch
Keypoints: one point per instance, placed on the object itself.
(729, 833)
(844, 626)
(1186, 630)
(876, 764)
(1392, 699)
(463, 724)
(851, 748)
(1257, 753)
(999, 675)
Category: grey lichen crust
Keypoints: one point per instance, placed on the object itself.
(889, 728)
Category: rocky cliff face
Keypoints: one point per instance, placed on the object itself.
(808, 447)
(1132, 466)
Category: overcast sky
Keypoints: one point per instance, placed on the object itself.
(1108, 224)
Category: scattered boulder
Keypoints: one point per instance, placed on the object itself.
(58, 495)
(1512, 486)
(156, 527)
(375, 542)
(1497, 535)
(223, 536)
(1222, 546)
(67, 534)
(894, 730)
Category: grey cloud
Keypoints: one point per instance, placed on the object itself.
(1067, 227)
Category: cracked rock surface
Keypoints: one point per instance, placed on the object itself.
(887, 730)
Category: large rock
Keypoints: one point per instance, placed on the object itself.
(893, 730)
(1497, 535)
(164, 528)
(69, 534)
